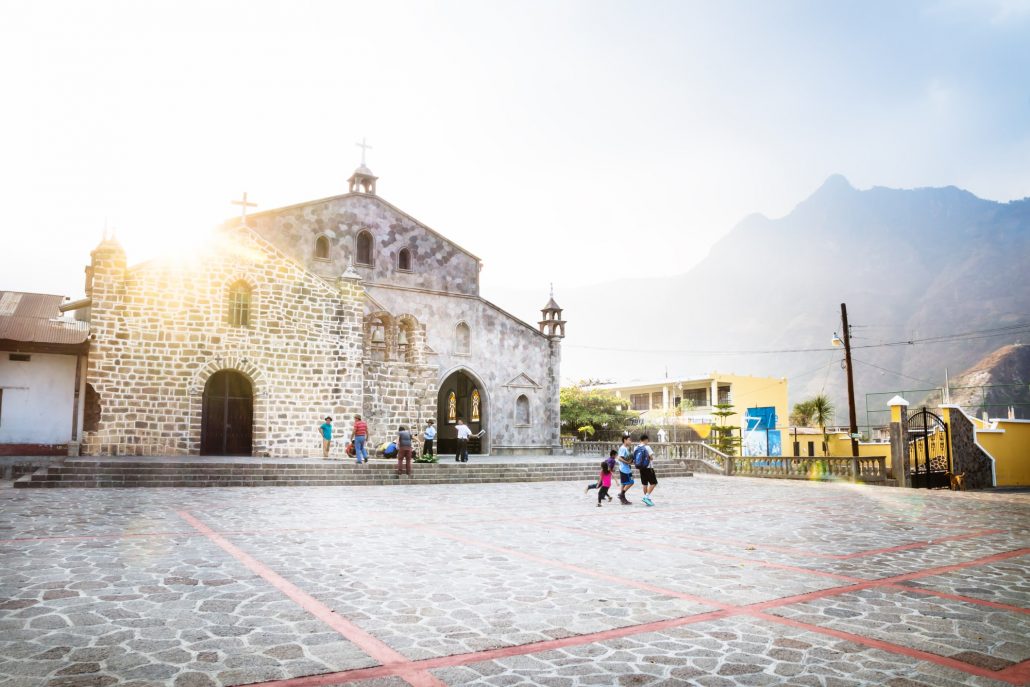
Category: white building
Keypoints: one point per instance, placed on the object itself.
(42, 373)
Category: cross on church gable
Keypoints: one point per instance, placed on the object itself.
(244, 203)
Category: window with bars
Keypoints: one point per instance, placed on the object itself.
(697, 397)
(240, 304)
(364, 253)
(639, 401)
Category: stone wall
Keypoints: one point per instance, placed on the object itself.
(966, 456)
(161, 329)
(507, 357)
(436, 263)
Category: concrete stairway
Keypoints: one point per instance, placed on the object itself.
(210, 473)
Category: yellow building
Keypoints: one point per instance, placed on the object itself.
(691, 401)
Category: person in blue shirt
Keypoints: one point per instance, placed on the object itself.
(625, 458)
(430, 436)
(327, 436)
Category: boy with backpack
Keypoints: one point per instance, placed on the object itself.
(625, 470)
(643, 458)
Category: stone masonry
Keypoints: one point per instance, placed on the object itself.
(161, 329)
(356, 307)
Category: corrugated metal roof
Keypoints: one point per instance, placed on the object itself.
(35, 318)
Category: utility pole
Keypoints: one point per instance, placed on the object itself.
(851, 380)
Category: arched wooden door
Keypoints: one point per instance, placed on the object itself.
(228, 417)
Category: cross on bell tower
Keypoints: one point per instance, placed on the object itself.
(552, 325)
(363, 181)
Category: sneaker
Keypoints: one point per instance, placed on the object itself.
(598, 505)
(647, 500)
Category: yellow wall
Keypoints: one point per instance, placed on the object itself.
(751, 392)
(1011, 452)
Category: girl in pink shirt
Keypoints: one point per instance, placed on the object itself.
(605, 480)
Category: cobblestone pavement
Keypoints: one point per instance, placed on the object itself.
(726, 581)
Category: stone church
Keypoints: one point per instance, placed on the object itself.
(339, 306)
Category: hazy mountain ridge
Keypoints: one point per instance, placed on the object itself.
(908, 263)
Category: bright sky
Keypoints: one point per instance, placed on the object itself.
(560, 141)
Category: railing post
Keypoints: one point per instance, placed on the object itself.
(854, 469)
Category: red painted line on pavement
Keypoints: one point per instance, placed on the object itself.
(377, 649)
(918, 545)
(1019, 672)
(941, 570)
(494, 654)
(957, 597)
(952, 663)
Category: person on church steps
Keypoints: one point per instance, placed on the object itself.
(625, 470)
(404, 450)
(429, 435)
(360, 438)
(327, 436)
(461, 453)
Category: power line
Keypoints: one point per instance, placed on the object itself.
(895, 372)
(943, 338)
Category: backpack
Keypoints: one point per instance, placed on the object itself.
(640, 457)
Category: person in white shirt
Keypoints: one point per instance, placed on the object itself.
(461, 454)
(663, 436)
(429, 435)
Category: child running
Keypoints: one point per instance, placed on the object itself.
(643, 456)
(625, 470)
(605, 480)
(611, 466)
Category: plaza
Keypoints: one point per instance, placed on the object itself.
(726, 581)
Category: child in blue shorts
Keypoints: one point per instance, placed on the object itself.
(625, 458)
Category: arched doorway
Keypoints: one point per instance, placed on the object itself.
(228, 415)
(461, 395)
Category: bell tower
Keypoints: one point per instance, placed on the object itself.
(552, 325)
(363, 181)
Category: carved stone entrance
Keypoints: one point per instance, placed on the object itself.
(460, 395)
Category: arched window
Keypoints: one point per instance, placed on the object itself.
(240, 304)
(404, 260)
(452, 408)
(363, 253)
(522, 411)
(462, 339)
(321, 248)
(474, 402)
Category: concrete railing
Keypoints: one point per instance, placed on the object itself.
(872, 470)
(688, 451)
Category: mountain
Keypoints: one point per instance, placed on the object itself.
(910, 264)
(996, 383)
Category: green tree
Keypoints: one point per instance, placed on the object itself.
(580, 407)
(801, 416)
(723, 437)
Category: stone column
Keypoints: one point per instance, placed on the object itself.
(899, 441)
(714, 398)
(665, 399)
(554, 390)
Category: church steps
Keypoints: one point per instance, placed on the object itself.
(106, 474)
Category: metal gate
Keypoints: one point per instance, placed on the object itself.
(930, 451)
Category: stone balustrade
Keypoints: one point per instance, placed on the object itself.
(870, 470)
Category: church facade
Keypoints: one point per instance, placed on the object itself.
(342, 306)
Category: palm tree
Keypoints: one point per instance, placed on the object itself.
(822, 413)
(801, 416)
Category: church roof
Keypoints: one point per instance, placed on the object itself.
(365, 196)
(551, 305)
(36, 318)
